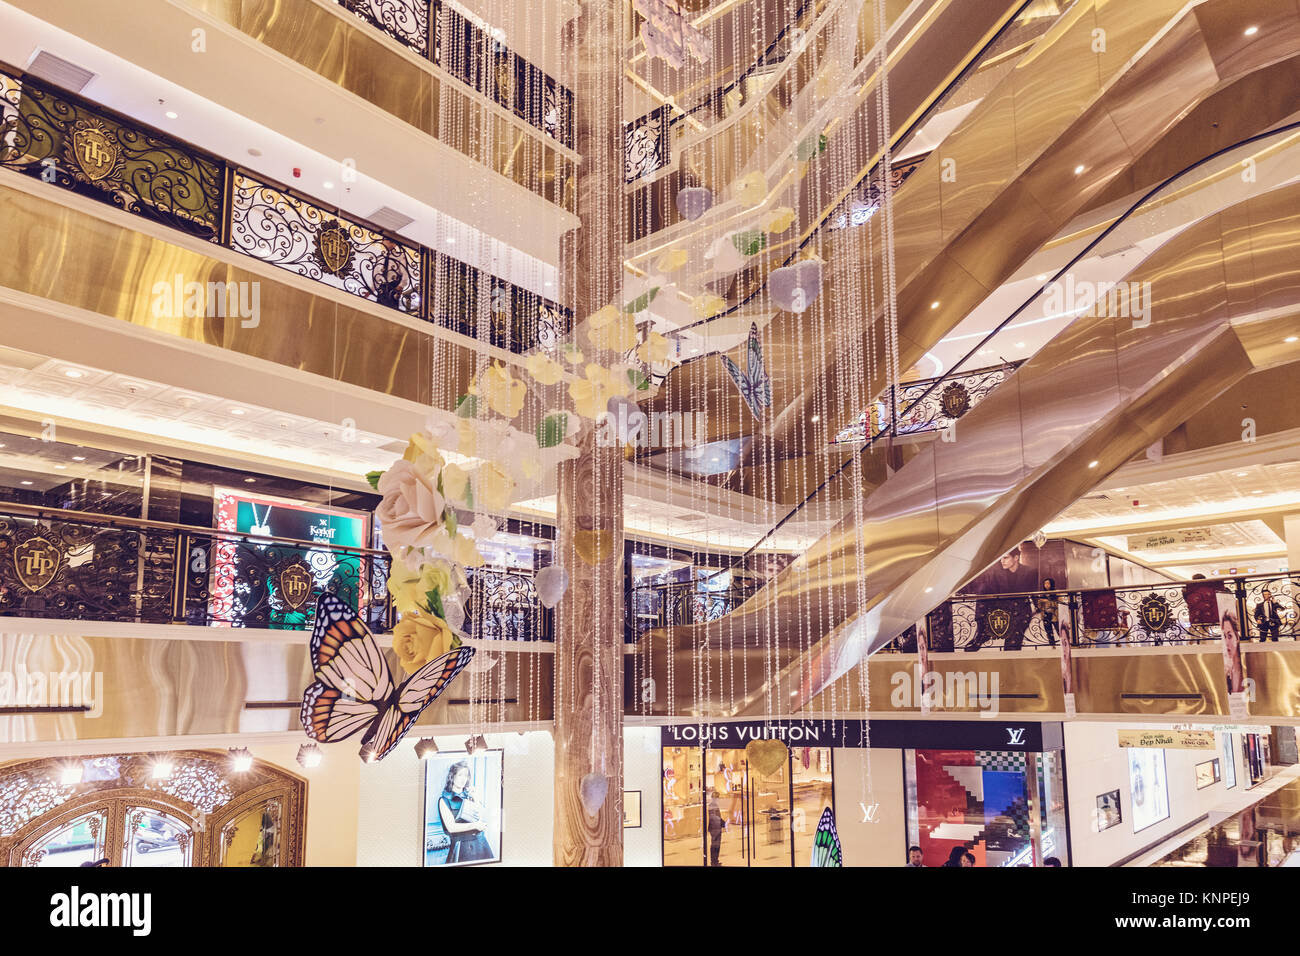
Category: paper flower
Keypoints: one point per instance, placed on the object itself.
(654, 350)
(411, 588)
(423, 454)
(751, 189)
(484, 528)
(611, 329)
(708, 305)
(779, 219)
(456, 488)
(572, 354)
(671, 261)
(411, 509)
(421, 638)
(503, 392)
(443, 434)
(493, 487)
(592, 394)
(543, 369)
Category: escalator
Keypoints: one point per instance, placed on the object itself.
(1027, 164)
(1224, 297)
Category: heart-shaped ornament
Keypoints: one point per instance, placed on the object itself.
(694, 201)
(592, 790)
(552, 582)
(594, 547)
(767, 756)
(793, 288)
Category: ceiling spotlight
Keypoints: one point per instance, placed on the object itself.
(162, 768)
(934, 305)
(1241, 474)
(60, 467)
(327, 184)
(25, 482)
(241, 760)
(1020, 345)
(74, 457)
(70, 774)
(451, 240)
(72, 373)
(1041, 278)
(309, 755)
(237, 411)
(1078, 169)
(475, 744)
(1093, 464)
(1291, 338)
(171, 114)
(1251, 31)
(426, 748)
(928, 590)
(249, 481)
(368, 754)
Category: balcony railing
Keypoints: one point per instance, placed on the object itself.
(1172, 613)
(440, 34)
(66, 140)
(682, 603)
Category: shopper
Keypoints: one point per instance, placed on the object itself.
(914, 856)
(716, 826)
(955, 856)
(1051, 861)
(1267, 618)
(968, 859)
(1046, 606)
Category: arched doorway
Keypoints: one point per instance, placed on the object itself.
(181, 808)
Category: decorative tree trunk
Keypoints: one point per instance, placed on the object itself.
(589, 618)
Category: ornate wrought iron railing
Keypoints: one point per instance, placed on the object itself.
(647, 146)
(682, 603)
(74, 565)
(504, 607)
(1177, 613)
(66, 140)
(438, 33)
(930, 404)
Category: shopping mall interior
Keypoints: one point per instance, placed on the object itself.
(650, 433)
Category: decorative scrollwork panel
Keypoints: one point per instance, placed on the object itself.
(406, 21)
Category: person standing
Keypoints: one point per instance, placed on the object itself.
(914, 857)
(1046, 606)
(715, 826)
(1267, 618)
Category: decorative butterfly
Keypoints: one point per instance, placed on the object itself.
(354, 689)
(754, 383)
(826, 842)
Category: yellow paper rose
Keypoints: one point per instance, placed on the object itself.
(543, 368)
(455, 485)
(504, 393)
(611, 329)
(423, 453)
(493, 488)
(708, 305)
(779, 219)
(654, 350)
(671, 261)
(591, 395)
(421, 638)
(751, 190)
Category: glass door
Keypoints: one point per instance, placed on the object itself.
(727, 817)
(769, 801)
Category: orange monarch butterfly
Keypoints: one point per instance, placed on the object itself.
(354, 688)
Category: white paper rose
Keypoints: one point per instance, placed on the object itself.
(411, 510)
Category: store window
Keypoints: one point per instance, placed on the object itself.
(718, 811)
(1007, 808)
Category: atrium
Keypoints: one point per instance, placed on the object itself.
(684, 434)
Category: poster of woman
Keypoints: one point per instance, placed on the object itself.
(1230, 626)
(462, 808)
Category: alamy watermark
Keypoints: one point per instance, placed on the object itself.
(212, 300)
(1127, 300)
(70, 690)
(631, 426)
(955, 690)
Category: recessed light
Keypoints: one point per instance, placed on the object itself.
(1078, 169)
(1291, 338)
(1093, 464)
(72, 373)
(1257, 491)
(1041, 278)
(60, 467)
(328, 185)
(74, 457)
(171, 114)
(249, 481)
(451, 240)
(26, 482)
(1241, 474)
(928, 590)
(237, 411)
(934, 305)
(365, 441)
(1020, 345)
(1251, 31)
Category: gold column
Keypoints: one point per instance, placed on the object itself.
(589, 620)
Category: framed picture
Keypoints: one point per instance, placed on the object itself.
(1207, 774)
(462, 808)
(631, 809)
(1229, 763)
(1109, 812)
(1148, 787)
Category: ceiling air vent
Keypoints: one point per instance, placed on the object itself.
(390, 219)
(60, 72)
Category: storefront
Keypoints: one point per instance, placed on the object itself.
(995, 788)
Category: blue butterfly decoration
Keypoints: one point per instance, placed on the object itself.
(754, 383)
(826, 842)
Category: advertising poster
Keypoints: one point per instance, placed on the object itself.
(1229, 763)
(923, 650)
(1064, 630)
(1230, 625)
(462, 808)
(232, 562)
(1148, 787)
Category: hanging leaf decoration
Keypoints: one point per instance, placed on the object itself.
(749, 241)
(642, 302)
(551, 430)
(373, 477)
(467, 407)
(638, 379)
(811, 147)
